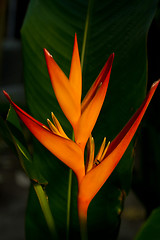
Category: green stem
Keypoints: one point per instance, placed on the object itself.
(83, 228)
(86, 32)
(45, 209)
(82, 212)
(69, 201)
(69, 197)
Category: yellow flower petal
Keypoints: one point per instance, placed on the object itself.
(99, 155)
(53, 128)
(90, 154)
(58, 126)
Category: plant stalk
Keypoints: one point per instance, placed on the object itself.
(69, 201)
(82, 212)
(69, 197)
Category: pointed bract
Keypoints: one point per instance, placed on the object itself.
(64, 149)
(101, 77)
(92, 104)
(63, 90)
(95, 178)
(75, 76)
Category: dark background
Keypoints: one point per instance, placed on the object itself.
(14, 185)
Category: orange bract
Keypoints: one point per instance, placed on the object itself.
(92, 104)
(75, 76)
(58, 144)
(96, 177)
(64, 91)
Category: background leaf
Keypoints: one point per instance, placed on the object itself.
(146, 178)
(12, 133)
(119, 27)
(150, 229)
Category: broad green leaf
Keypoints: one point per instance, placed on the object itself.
(151, 229)
(111, 27)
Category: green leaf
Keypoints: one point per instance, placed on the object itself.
(150, 229)
(5, 134)
(112, 27)
(43, 200)
(16, 134)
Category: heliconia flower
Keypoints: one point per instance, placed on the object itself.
(68, 94)
(82, 117)
(100, 168)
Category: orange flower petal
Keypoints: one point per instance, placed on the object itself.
(64, 149)
(94, 180)
(92, 104)
(63, 90)
(75, 76)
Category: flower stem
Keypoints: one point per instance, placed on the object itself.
(69, 201)
(83, 228)
(82, 212)
(69, 197)
(45, 209)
